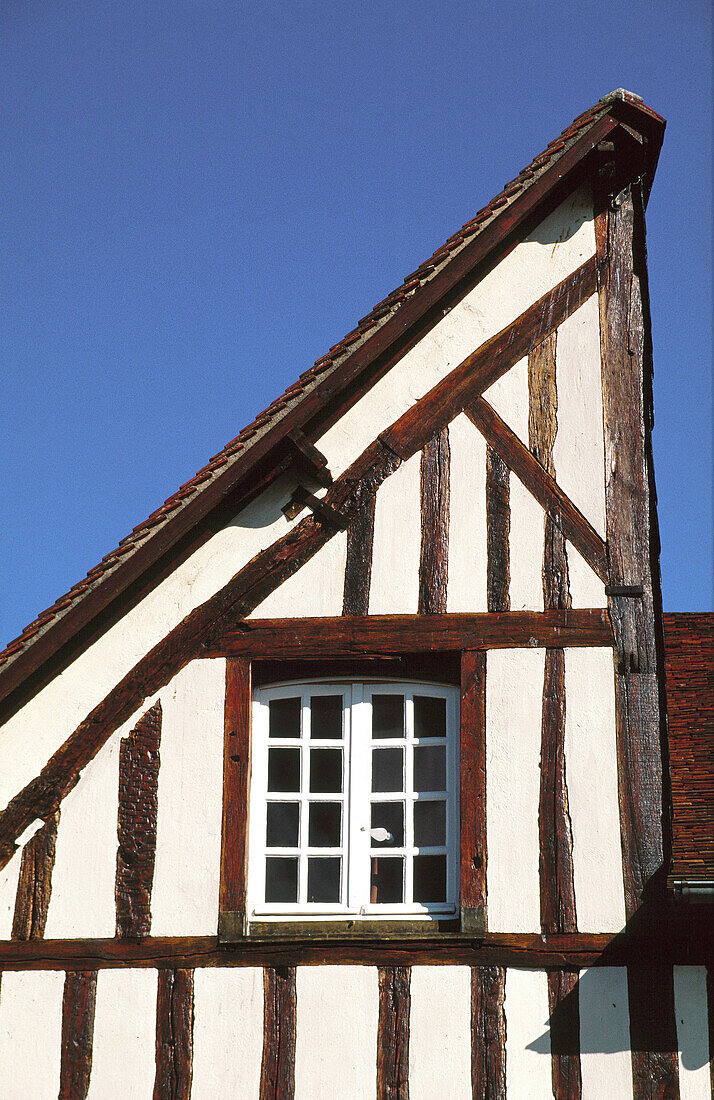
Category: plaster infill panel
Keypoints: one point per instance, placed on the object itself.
(560, 244)
(605, 1058)
(227, 1033)
(336, 1039)
(514, 694)
(466, 589)
(316, 589)
(124, 1049)
(9, 878)
(29, 738)
(692, 1015)
(440, 1033)
(528, 1070)
(397, 541)
(188, 833)
(30, 1034)
(590, 751)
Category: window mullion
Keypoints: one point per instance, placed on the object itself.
(358, 807)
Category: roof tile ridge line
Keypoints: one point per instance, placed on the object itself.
(145, 529)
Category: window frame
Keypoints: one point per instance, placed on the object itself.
(356, 798)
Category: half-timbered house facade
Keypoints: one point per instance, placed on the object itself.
(345, 774)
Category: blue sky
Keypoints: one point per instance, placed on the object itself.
(199, 199)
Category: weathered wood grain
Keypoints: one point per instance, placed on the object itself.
(139, 763)
(236, 776)
(434, 552)
(672, 942)
(34, 886)
(485, 366)
(473, 780)
(277, 1074)
(381, 635)
(557, 890)
(564, 1022)
(393, 1033)
(541, 485)
(498, 530)
(488, 1033)
(360, 545)
(78, 1002)
(653, 1032)
(174, 1035)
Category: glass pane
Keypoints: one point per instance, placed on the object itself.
(281, 878)
(284, 718)
(283, 824)
(323, 878)
(325, 821)
(429, 716)
(284, 770)
(429, 823)
(430, 767)
(387, 716)
(326, 716)
(387, 824)
(429, 878)
(387, 770)
(326, 771)
(387, 881)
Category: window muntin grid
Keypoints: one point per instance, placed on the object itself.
(398, 775)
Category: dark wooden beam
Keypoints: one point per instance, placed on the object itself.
(473, 781)
(434, 552)
(78, 1002)
(498, 533)
(653, 1032)
(34, 886)
(174, 1035)
(557, 888)
(360, 544)
(673, 941)
(236, 775)
(392, 634)
(277, 1074)
(488, 1033)
(483, 367)
(393, 1033)
(564, 1021)
(307, 457)
(139, 763)
(541, 485)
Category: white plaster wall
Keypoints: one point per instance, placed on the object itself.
(514, 694)
(586, 588)
(605, 1059)
(30, 737)
(591, 776)
(528, 1069)
(440, 1033)
(579, 451)
(691, 1013)
(124, 1051)
(397, 541)
(560, 244)
(227, 1033)
(30, 1034)
(526, 549)
(82, 899)
(9, 877)
(336, 1035)
(509, 397)
(466, 589)
(188, 828)
(316, 589)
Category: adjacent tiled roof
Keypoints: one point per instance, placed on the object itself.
(689, 658)
(217, 472)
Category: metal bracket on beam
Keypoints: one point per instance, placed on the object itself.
(323, 511)
(630, 591)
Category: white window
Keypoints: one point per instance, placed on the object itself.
(354, 800)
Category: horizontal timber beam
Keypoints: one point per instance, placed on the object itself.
(673, 945)
(389, 634)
